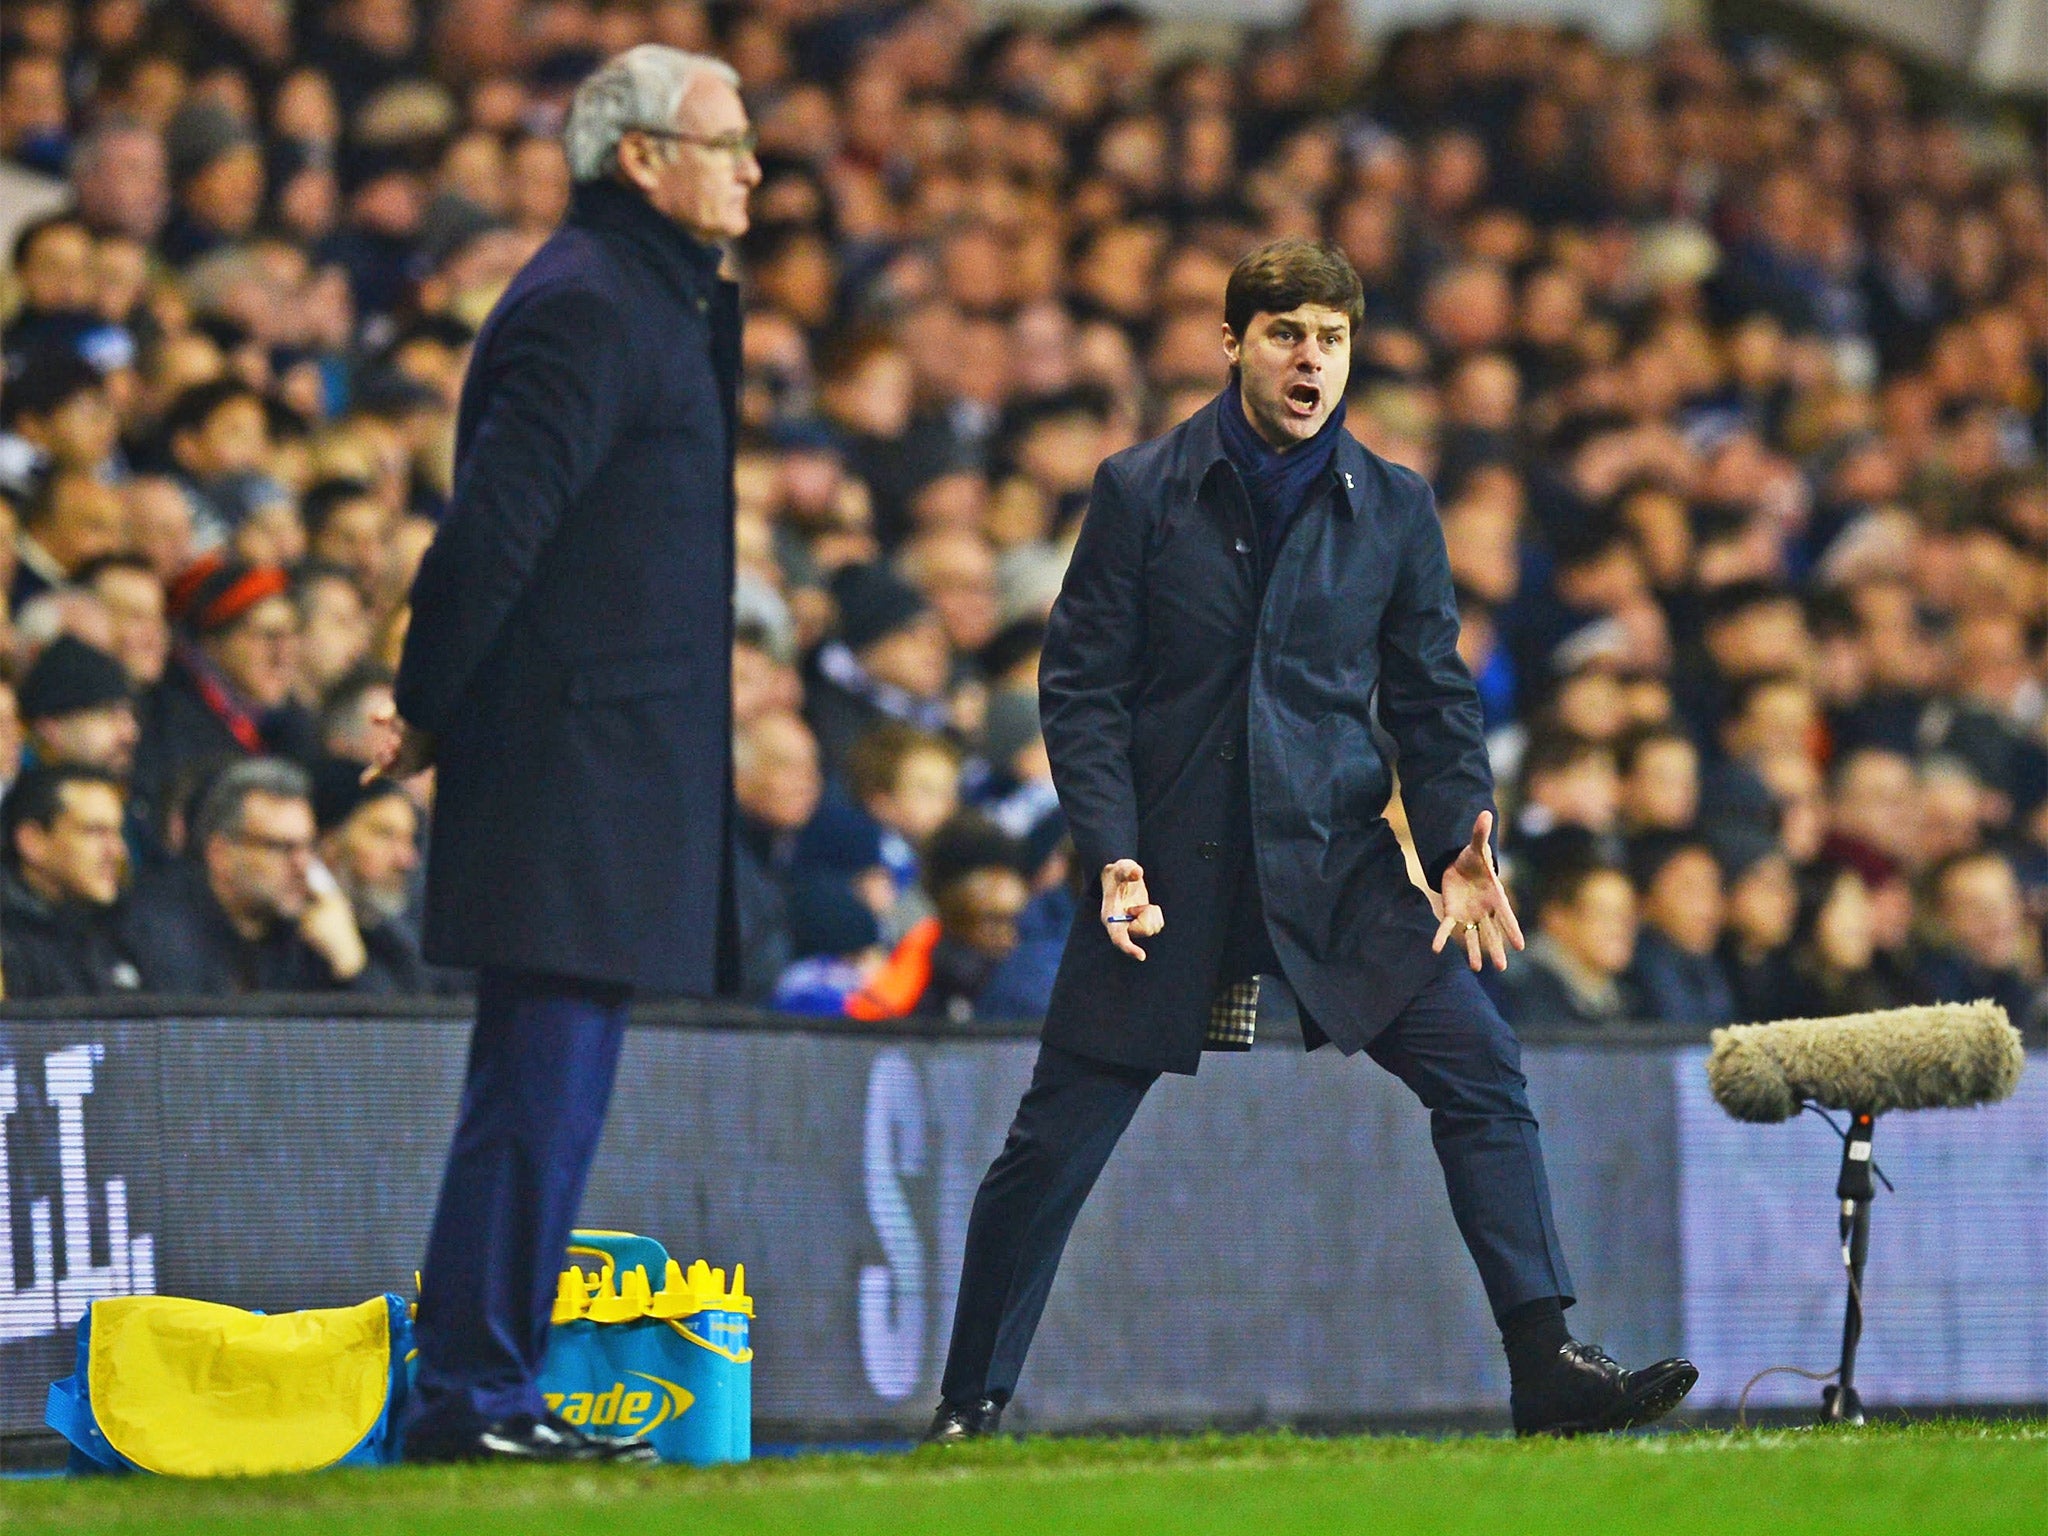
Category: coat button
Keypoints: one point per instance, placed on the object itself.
(1228, 751)
(703, 306)
(1209, 850)
(1242, 546)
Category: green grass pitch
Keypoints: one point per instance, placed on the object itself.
(1937, 1477)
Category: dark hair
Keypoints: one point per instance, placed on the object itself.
(1750, 689)
(345, 691)
(1731, 602)
(1648, 854)
(35, 229)
(1287, 274)
(119, 560)
(1561, 865)
(968, 842)
(323, 497)
(1640, 740)
(195, 407)
(50, 380)
(38, 797)
(1553, 751)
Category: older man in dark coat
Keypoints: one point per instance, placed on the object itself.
(567, 672)
(1253, 598)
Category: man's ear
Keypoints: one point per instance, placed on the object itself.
(31, 842)
(638, 162)
(1231, 345)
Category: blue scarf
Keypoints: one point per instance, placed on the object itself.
(1278, 484)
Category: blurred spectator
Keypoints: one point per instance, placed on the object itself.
(353, 701)
(1729, 366)
(348, 528)
(1571, 782)
(228, 690)
(978, 880)
(1660, 786)
(909, 781)
(1837, 964)
(249, 913)
(57, 405)
(370, 843)
(1763, 909)
(776, 783)
(217, 436)
(65, 862)
(890, 663)
(128, 589)
(835, 933)
(334, 629)
(1676, 972)
(78, 707)
(1574, 972)
(1983, 947)
(73, 520)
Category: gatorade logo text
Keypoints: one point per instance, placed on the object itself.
(40, 1300)
(634, 1411)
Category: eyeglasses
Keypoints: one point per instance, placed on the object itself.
(739, 145)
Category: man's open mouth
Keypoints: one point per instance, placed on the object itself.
(1303, 399)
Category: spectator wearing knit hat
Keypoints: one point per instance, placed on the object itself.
(227, 691)
(369, 841)
(78, 708)
(890, 662)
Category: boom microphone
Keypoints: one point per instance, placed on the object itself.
(1944, 1056)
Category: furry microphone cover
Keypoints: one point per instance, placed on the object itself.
(1943, 1056)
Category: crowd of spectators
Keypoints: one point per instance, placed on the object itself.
(1727, 366)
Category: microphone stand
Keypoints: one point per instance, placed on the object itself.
(1855, 1189)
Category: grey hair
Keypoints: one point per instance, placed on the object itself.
(221, 812)
(640, 88)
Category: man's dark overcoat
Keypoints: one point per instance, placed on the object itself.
(1197, 726)
(571, 625)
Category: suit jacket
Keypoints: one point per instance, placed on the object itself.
(1209, 724)
(572, 623)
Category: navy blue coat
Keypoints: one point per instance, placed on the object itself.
(571, 624)
(1225, 740)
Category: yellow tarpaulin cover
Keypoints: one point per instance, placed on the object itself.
(191, 1389)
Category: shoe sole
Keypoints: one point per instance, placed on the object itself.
(1653, 1392)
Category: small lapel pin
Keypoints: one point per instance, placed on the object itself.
(1347, 480)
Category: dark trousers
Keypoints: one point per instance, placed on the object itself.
(1449, 1045)
(541, 1064)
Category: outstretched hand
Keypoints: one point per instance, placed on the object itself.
(1475, 903)
(1127, 908)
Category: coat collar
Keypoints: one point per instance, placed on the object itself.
(610, 208)
(1348, 467)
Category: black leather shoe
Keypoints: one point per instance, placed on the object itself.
(957, 1423)
(526, 1438)
(1581, 1391)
